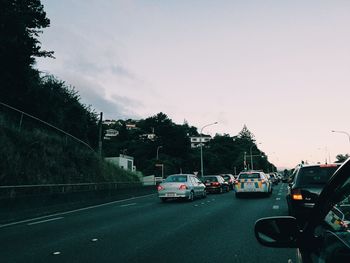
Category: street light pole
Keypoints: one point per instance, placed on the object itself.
(344, 132)
(251, 157)
(158, 151)
(201, 144)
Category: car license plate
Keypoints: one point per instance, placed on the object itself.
(250, 185)
(170, 195)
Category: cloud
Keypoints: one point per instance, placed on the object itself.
(94, 95)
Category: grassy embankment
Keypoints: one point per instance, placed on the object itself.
(32, 157)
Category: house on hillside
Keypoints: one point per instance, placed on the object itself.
(123, 161)
(110, 133)
(130, 126)
(109, 122)
(148, 136)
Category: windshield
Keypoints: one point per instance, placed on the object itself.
(249, 176)
(176, 179)
(226, 177)
(315, 175)
(112, 111)
(210, 179)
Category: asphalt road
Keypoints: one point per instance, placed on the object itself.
(218, 228)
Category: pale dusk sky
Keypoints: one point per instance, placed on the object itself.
(280, 67)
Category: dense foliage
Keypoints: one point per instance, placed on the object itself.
(22, 86)
(223, 154)
(33, 152)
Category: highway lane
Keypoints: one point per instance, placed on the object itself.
(218, 228)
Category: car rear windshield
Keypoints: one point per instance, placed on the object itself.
(176, 179)
(249, 176)
(210, 179)
(315, 175)
(226, 177)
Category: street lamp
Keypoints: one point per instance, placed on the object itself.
(201, 144)
(251, 157)
(344, 132)
(158, 151)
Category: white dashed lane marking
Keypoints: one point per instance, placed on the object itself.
(276, 207)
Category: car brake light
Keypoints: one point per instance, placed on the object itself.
(328, 165)
(159, 188)
(230, 180)
(183, 187)
(263, 181)
(296, 195)
(215, 183)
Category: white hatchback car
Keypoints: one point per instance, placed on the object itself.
(185, 186)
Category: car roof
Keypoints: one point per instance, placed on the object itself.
(320, 165)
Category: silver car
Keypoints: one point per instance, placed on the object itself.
(185, 186)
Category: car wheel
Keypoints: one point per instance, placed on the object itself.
(163, 199)
(204, 195)
(228, 188)
(221, 191)
(191, 196)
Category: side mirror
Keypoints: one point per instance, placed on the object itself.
(277, 231)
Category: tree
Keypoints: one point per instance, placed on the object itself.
(21, 22)
(341, 158)
(245, 134)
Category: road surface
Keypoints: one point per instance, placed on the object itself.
(218, 228)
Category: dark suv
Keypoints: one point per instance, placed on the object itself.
(305, 185)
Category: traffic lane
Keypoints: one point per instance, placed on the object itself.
(226, 235)
(139, 232)
(189, 237)
(81, 227)
(26, 241)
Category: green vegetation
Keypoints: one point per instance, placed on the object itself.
(31, 152)
(223, 154)
(38, 157)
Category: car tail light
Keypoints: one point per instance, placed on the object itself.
(215, 183)
(159, 188)
(183, 187)
(230, 180)
(263, 181)
(296, 194)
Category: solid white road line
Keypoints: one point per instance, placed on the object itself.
(44, 221)
(76, 210)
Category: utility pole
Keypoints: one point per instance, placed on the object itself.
(100, 135)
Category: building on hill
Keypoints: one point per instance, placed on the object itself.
(123, 161)
(110, 133)
(109, 122)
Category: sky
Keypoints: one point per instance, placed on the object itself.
(280, 67)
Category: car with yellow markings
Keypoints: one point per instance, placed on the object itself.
(252, 182)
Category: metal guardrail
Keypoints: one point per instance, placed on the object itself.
(58, 185)
(43, 122)
(14, 191)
